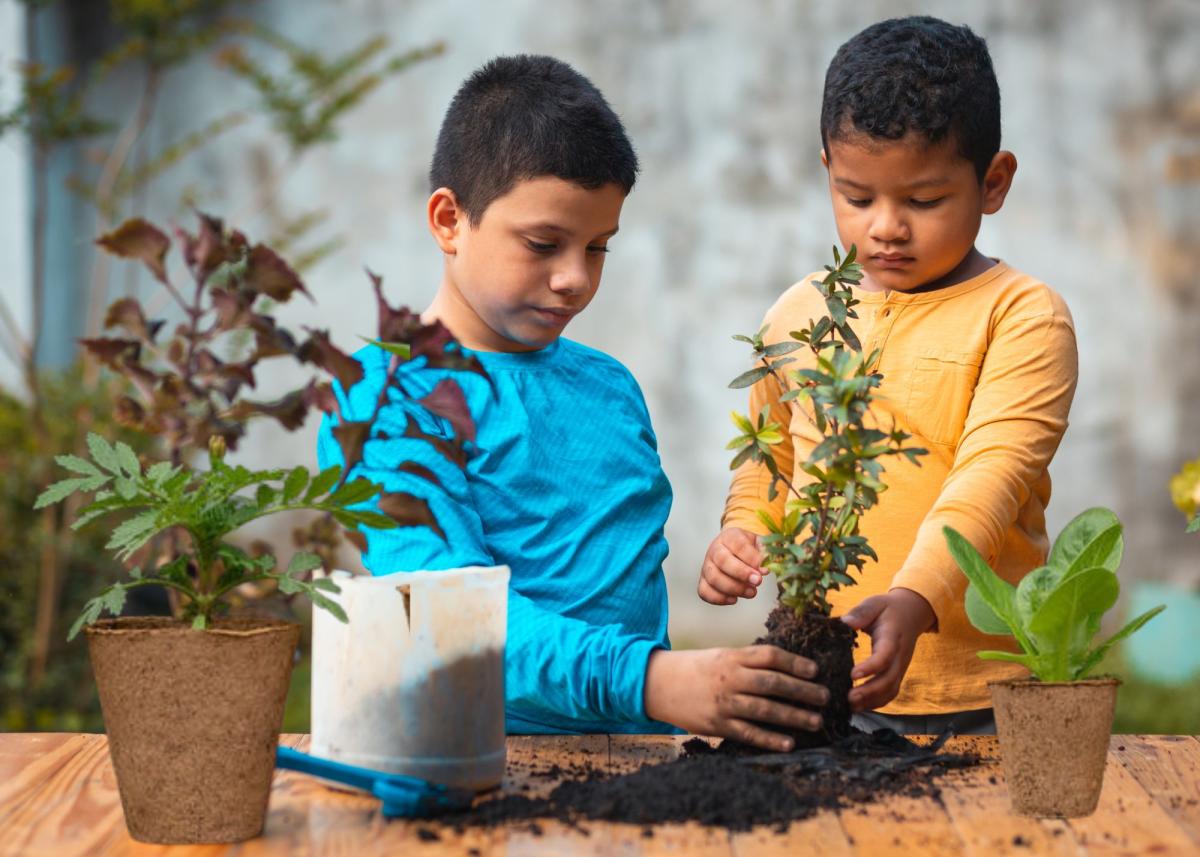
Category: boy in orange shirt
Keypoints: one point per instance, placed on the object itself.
(978, 360)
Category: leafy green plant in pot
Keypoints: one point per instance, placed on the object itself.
(193, 703)
(1053, 726)
(814, 546)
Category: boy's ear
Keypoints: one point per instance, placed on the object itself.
(824, 158)
(997, 180)
(445, 219)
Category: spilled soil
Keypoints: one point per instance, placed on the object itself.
(734, 791)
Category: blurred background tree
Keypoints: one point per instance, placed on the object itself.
(99, 150)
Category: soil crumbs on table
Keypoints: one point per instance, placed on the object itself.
(714, 786)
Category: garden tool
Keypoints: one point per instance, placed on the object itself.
(402, 796)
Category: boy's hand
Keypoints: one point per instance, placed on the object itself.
(894, 621)
(732, 567)
(730, 692)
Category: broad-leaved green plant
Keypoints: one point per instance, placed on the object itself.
(1054, 612)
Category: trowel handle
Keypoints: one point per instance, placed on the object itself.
(294, 760)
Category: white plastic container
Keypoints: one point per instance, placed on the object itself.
(414, 683)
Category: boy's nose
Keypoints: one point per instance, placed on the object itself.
(571, 280)
(888, 226)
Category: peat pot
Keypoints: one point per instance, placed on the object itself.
(414, 683)
(193, 719)
(1054, 743)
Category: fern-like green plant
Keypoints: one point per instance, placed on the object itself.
(814, 546)
(1054, 612)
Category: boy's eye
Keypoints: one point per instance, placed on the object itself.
(539, 247)
(597, 248)
(927, 203)
(859, 202)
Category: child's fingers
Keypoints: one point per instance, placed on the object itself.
(723, 583)
(745, 545)
(879, 691)
(733, 565)
(712, 596)
(750, 733)
(781, 685)
(883, 653)
(761, 710)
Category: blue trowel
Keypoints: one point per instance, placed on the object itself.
(402, 796)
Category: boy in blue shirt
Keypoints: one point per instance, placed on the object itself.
(564, 486)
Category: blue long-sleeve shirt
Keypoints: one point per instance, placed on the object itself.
(564, 485)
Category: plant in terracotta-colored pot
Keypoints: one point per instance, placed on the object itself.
(1053, 726)
(193, 703)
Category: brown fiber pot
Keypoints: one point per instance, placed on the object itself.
(1054, 743)
(193, 719)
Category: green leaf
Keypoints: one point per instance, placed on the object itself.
(780, 348)
(133, 533)
(302, 562)
(982, 616)
(200, 623)
(296, 481)
(989, 655)
(160, 472)
(126, 489)
(77, 465)
(289, 585)
(103, 454)
(128, 460)
(996, 592)
(1097, 655)
(400, 349)
(1080, 534)
(1033, 589)
(113, 599)
(91, 612)
(325, 480)
(57, 492)
(748, 378)
(326, 584)
(329, 604)
(1061, 624)
(1194, 524)
(353, 492)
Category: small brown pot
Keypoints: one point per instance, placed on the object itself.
(193, 719)
(1054, 743)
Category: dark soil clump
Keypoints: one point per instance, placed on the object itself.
(734, 791)
(830, 644)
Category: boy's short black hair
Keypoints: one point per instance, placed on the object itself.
(916, 74)
(522, 117)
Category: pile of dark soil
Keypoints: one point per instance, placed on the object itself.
(735, 791)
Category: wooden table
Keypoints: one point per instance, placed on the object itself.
(58, 797)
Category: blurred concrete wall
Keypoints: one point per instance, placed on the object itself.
(1101, 107)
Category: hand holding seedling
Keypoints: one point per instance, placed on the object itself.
(894, 621)
(734, 693)
(732, 567)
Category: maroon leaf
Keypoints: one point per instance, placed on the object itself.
(447, 401)
(408, 510)
(319, 351)
(271, 340)
(127, 313)
(356, 538)
(233, 310)
(267, 274)
(138, 239)
(421, 471)
(112, 352)
(290, 410)
(451, 450)
(128, 413)
(321, 396)
(351, 437)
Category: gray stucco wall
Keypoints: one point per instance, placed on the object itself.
(1101, 107)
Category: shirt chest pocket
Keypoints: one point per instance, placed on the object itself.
(943, 385)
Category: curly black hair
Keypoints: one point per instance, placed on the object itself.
(522, 117)
(917, 74)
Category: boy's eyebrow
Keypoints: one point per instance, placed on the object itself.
(940, 180)
(554, 227)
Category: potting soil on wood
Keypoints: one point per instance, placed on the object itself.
(732, 791)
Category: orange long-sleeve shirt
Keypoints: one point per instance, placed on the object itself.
(982, 375)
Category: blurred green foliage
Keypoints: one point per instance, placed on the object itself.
(63, 697)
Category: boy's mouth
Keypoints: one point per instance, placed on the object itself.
(892, 260)
(557, 316)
